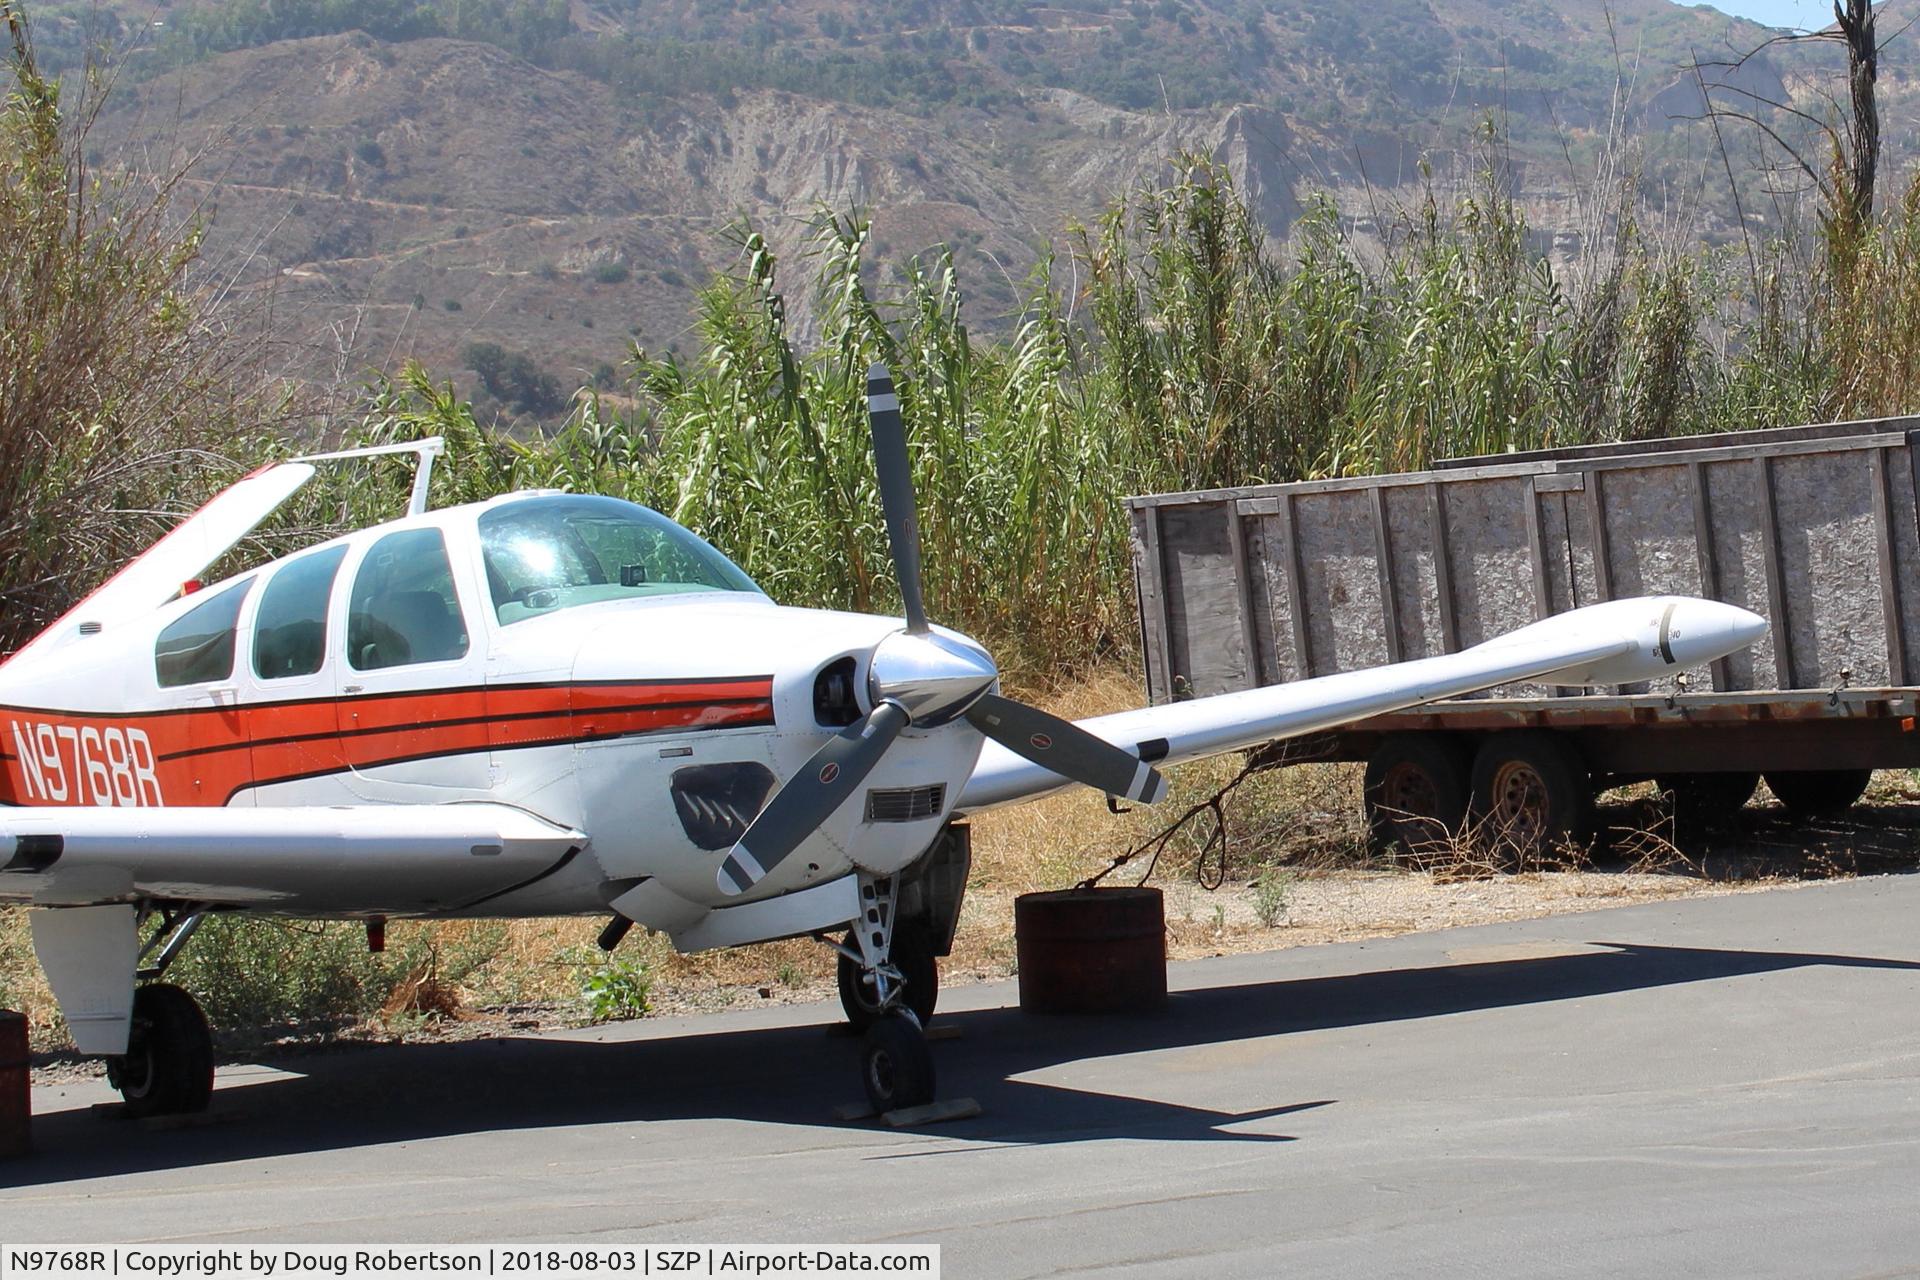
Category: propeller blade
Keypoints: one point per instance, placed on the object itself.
(809, 798)
(1066, 748)
(897, 503)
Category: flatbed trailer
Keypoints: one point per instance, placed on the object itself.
(1817, 528)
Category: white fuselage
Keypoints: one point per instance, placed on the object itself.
(656, 725)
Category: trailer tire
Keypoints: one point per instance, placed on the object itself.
(1818, 793)
(1531, 795)
(1416, 793)
(1704, 801)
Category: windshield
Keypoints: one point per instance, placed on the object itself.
(547, 554)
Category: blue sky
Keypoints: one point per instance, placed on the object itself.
(1781, 13)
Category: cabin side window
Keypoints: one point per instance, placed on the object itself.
(197, 647)
(404, 609)
(290, 630)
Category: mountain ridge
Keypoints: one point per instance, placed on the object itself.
(407, 197)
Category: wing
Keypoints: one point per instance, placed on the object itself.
(1616, 642)
(157, 574)
(357, 860)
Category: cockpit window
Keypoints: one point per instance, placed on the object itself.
(197, 647)
(403, 608)
(290, 626)
(546, 554)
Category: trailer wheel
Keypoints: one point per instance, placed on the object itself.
(1702, 801)
(1416, 793)
(1531, 795)
(1818, 793)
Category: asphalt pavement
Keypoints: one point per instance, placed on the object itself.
(1711, 1086)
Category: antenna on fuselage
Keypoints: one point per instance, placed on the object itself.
(426, 451)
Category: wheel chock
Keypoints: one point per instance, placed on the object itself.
(910, 1117)
(166, 1123)
(932, 1113)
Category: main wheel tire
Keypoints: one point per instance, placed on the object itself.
(1416, 794)
(913, 956)
(1531, 795)
(1703, 801)
(1818, 793)
(895, 1064)
(168, 1066)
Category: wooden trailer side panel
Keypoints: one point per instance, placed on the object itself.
(1419, 578)
(1340, 581)
(1143, 532)
(1830, 569)
(1652, 542)
(1739, 544)
(1817, 530)
(1904, 520)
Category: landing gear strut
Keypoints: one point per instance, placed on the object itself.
(918, 983)
(880, 995)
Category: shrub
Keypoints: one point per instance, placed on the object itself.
(121, 386)
(1272, 892)
(612, 273)
(617, 989)
(252, 974)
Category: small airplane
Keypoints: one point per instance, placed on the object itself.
(559, 704)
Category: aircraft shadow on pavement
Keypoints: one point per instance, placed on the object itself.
(794, 1075)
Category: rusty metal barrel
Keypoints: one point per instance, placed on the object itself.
(15, 1102)
(1091, 950)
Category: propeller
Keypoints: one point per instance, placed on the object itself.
(1066, 748)
(920, 678)
(810, 797)
(897, 502)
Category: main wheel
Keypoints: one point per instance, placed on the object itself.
(895, 1064)
(1702, 801)
(913, 956)
(168, 1066)
(1531, 795)
(1818, 793)
(1417, 787)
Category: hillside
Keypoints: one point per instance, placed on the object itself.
(555, 179)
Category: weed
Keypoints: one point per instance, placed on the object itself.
(1272, 892)
(616, 990)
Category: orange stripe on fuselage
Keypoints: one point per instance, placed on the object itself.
(205, 755)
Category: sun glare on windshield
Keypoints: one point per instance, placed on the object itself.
(547, 554)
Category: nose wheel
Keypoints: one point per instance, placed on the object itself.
(887, 977)
(896, 1066)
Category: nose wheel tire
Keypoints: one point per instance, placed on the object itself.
(168, 1066)
(912, 954)
(895, 1064)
